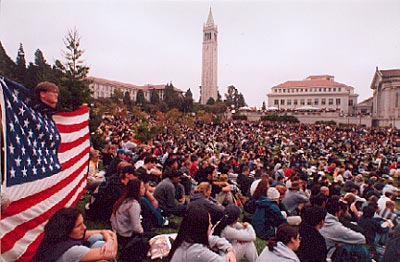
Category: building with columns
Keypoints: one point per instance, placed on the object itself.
(386, 98)
(209, 74)
(103, 88)
(314, 92)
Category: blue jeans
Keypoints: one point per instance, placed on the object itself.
(97, 241)
(151, 216)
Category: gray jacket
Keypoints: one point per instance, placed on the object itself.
(334, 232)
(196, 252)
(280, 253)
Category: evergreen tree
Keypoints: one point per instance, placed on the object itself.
(154, 97)
(211, 101)
(21, 65)
(117, 96)
(39, 71)
(127, 99)
(140, 99)
(7, 65)
(263, 107)
(233, 97)
(171, 97)
(74, 89)
(219, 98)
(188, 101)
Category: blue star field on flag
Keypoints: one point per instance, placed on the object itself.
(32, 139)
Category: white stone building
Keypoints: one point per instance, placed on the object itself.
(209, 83)
(103, 88)
(386, 98)
(314, 92)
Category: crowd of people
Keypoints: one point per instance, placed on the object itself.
(314, 192)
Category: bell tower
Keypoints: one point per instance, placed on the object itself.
(209, 85)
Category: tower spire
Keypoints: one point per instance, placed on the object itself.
(210, 20)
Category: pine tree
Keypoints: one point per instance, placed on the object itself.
(21, 65)
(7, 65)
(188, 101)
(127, 99)
(74, 89)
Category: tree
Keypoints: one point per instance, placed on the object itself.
(210, 101)
(117, 96)
(263, 107)
(140, 99)
(7, 65)
(127, 99)
(188, 101)
(154, 97)
(21, 65)
(171, 97)
(39, 71)
(74, 89)
(233, 97)
(219, 98)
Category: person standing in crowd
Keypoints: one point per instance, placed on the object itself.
(240, 235)
(64, 237)
(282, 246)
(312, 246)
(194, 241)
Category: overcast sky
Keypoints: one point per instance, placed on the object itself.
(261, 43)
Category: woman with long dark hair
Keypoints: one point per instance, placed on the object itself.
(267, 215)
(66, 239)
(241, 235)
(125, 220)
(282, 246)
(193, 241)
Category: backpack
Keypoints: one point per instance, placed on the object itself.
(250, 206)
(350, 253)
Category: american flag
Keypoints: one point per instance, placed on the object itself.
(45, 166)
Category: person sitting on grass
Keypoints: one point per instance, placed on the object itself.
(283, 245)
(241, 235)
(194, 242)
(201, 196)
(125, 220)
(66, 239)
(267, 215)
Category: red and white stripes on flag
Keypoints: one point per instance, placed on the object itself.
(33, 203)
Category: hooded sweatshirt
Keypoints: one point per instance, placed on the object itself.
(334, 233)
(266, 217)
(280, 253)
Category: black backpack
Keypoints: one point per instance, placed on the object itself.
(250, 206)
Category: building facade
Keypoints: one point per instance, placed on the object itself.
(103, 88)
(386, 98)
(319, 92)
(209, 83)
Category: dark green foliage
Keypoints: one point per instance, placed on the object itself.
(172, 98)
(321, 122)
(127, 99)
(7, 65)
(20, 65)
(263, 107)
(140, 99)
(211, 101)
(188, 102)
(277, 118)
(234, 98)
(239, 117)
(154, 97)
(74, 86)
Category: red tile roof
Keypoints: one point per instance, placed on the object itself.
(126, 85)
(311, 83)
(390, 72)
